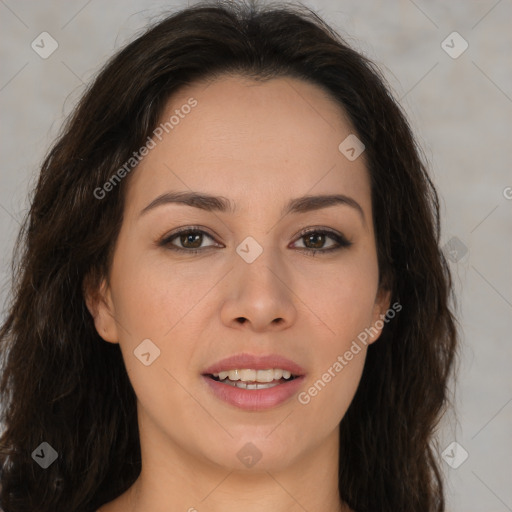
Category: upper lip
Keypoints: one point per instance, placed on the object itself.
(254, 362)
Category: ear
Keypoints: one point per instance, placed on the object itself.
(380, 307)
(100, 305)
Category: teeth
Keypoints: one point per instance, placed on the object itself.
(245, 385)
(249, 375)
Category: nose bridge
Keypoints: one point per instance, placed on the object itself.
(260, 294)
(260, 262)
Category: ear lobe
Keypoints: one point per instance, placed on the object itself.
(100, 305)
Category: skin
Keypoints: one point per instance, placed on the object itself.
(258, 144)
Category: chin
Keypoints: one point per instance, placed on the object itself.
(254, 453)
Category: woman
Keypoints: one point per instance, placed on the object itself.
(230, 290)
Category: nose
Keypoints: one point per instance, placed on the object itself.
(260, 296)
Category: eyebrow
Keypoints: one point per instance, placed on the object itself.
(224, 205)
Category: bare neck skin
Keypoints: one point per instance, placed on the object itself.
(172, 479)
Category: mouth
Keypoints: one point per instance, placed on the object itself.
(254, 382)
(253, 379)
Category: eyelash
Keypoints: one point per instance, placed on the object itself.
(338, 238)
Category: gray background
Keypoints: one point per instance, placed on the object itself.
(460, 109)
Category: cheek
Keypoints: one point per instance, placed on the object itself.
(324, 401)
(154, 295)
(342, 299)
(331, 387)
(164, 302)
(345, 304)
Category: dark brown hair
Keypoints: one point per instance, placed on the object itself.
(63, 384)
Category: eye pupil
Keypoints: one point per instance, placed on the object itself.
(185, 238)
(316, 235)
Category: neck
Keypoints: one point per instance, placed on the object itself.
(173, 477)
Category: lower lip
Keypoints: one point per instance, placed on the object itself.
(255, 399)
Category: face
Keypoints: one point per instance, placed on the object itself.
(267, 282)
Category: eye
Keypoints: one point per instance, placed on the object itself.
(190, 239)
(315, 239)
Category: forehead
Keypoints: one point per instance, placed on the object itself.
(251, 141)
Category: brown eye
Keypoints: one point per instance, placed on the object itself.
(317, 240)
(189, 240)
(314, 241)
(193, 239)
